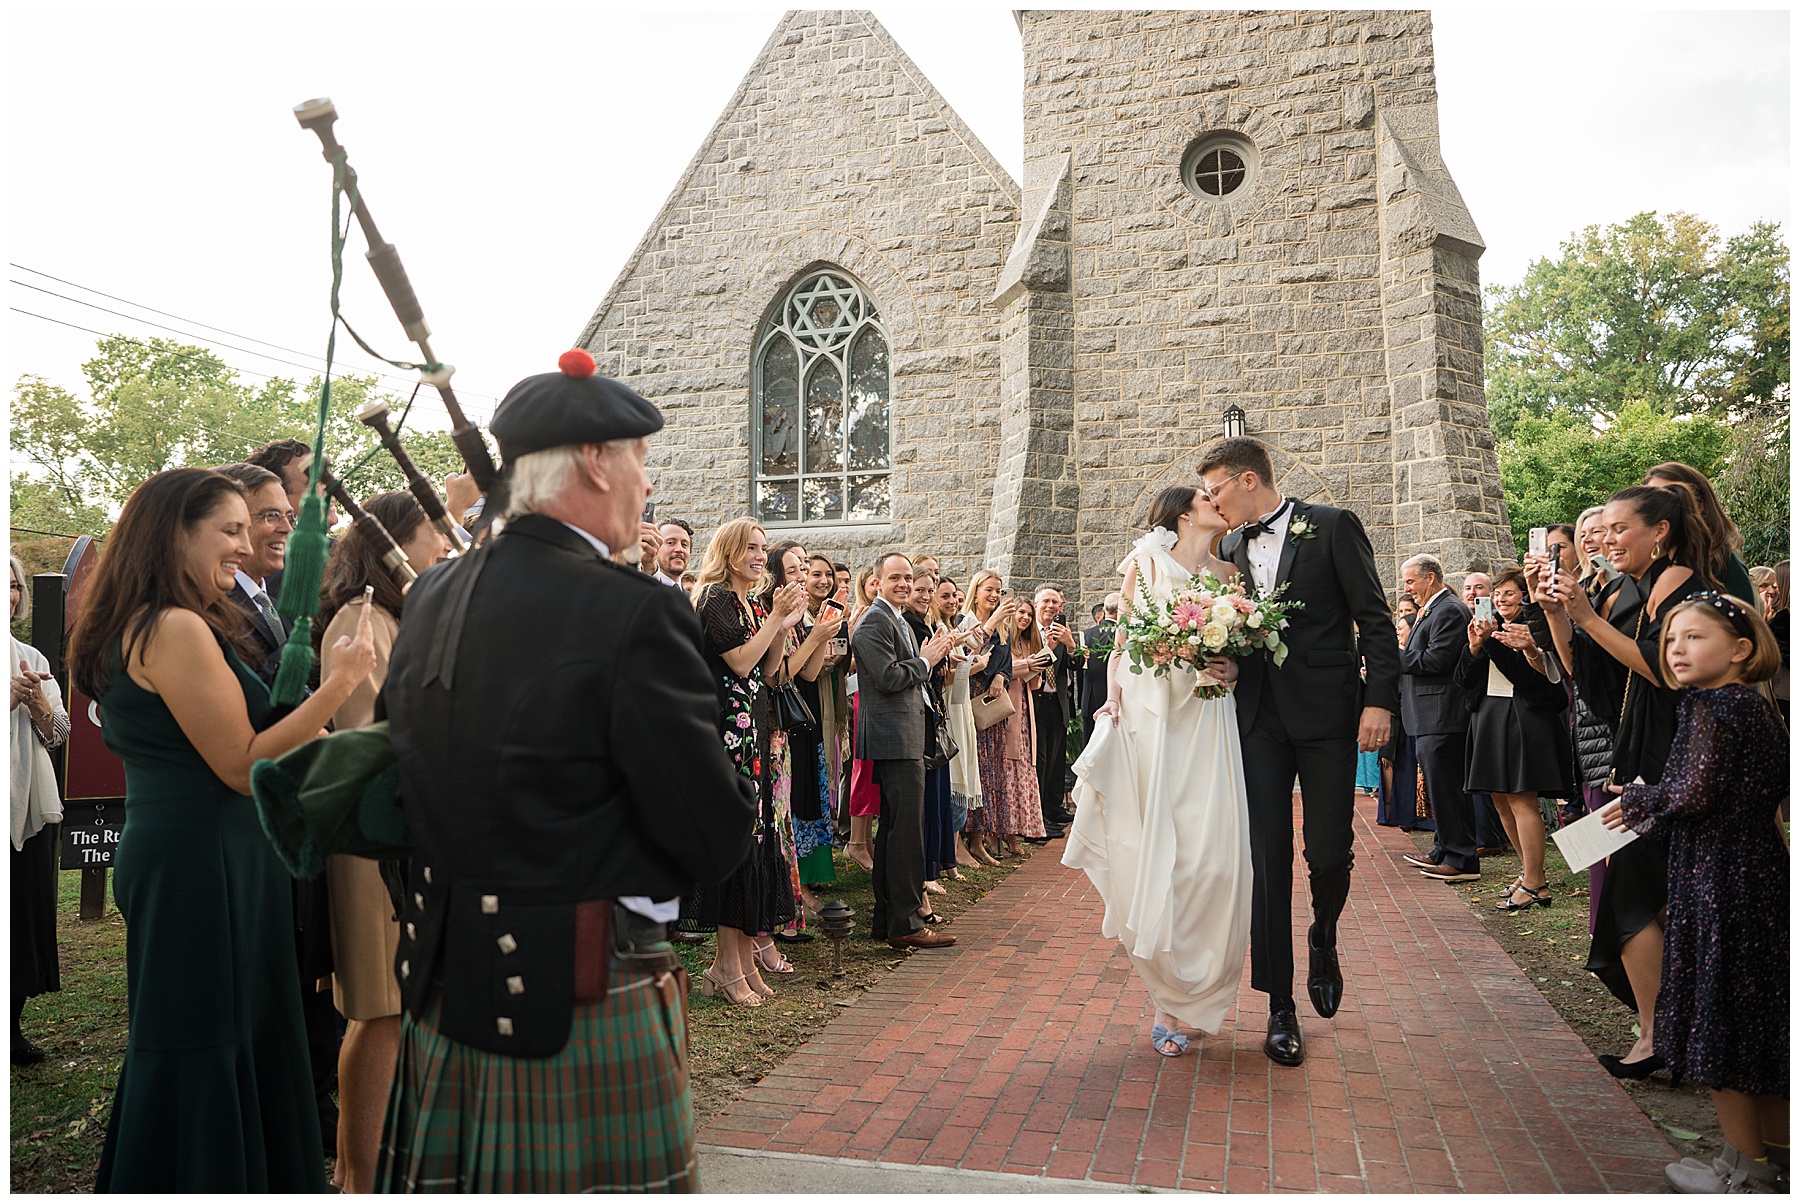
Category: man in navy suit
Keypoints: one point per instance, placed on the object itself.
(1437, 717)
(1306, 717)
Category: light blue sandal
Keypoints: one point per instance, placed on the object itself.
(1160, 1035)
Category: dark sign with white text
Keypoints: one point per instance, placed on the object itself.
(90, 833)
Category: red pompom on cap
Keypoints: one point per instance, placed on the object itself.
(576, 362)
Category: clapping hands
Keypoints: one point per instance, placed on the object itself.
(789, 605)
(28, 689)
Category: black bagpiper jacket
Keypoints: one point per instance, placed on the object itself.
(564, 747)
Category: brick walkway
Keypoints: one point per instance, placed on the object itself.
(1025, 1049)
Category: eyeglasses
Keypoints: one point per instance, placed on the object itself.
(273, 517)
(1211, 492)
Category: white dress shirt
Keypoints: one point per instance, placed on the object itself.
(666, 911)
(666, 579)
(259, 596)
(1264, 552)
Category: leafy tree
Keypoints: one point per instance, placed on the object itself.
(1652, 310)
(1555, 467)
(155, 404)
(1753, 486)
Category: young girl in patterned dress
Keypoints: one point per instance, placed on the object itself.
(1722, 1013)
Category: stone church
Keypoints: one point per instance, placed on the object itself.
(865, 332)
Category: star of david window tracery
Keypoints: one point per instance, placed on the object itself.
(820, 401)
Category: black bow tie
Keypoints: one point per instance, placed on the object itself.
(1263, 526)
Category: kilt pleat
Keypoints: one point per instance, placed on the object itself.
(610, 1112)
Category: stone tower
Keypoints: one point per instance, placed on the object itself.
(1219, 209)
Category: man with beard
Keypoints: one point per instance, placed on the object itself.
(676, 549)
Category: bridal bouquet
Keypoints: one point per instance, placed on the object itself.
(1206, 619)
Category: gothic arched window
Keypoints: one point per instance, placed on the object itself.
(819, 404)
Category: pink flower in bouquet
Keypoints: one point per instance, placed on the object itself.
(1189, 615)
(1163, 655)
(1244, 605)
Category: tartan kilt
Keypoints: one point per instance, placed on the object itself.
(610, 1112)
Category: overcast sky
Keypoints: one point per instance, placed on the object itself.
(517, 159)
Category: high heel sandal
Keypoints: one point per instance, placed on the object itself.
(781, 965)
(710, 981)
(932, 888)
(1540, 897)
(866, 860)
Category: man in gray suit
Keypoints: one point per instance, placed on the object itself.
(891, 671)
(1436, 715)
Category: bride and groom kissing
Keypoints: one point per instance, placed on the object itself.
(1184, 817)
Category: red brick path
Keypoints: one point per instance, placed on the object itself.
(1025, 1049)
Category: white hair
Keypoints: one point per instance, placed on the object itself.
(539, 477)
(1425, 562)
(18, 570)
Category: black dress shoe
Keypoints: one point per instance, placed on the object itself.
(24, 1053)
(1324, 980)
(1285, 1044)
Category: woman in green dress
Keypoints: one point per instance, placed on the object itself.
(215, 1093)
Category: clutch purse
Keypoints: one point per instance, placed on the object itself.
(989, 711)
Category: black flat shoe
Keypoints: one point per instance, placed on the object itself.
(1324, 980)
(1285, 1044)
(798, 938)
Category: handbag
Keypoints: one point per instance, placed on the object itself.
(788, 710)
(940, 748)
(989, 711)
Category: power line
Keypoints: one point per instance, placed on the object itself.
(52, 534)
(189, 321)
(254, 440)
(135, 305)
(142, 343)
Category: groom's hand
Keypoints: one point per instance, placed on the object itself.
(1372, 732)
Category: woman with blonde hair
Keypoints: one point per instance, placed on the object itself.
(864, 794)
(743, 641)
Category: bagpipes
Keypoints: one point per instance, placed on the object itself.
(303, 579)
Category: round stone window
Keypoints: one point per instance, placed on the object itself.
(1218, 166)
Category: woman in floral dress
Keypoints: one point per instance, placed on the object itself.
(742, 642)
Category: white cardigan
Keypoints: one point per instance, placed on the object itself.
(35, 800)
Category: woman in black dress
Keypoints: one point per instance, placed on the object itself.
(1518, 746)
(39, 724)
(742, 643)
(1655, 538)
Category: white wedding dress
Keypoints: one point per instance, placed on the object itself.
(1162, 827)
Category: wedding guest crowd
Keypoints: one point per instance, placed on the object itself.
(760, 714)
(1635, 664)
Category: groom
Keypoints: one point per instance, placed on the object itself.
(1307, 717)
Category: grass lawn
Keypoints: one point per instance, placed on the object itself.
(60, 1106)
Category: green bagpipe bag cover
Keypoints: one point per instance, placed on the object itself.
(336, 794)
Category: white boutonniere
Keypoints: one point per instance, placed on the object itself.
(1299, 528)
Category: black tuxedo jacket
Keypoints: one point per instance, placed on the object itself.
(267, 642)
(1097, 679)
(1319, 691)
(577, 757)
(1430, 703)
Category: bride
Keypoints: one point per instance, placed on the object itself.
(1161, 823)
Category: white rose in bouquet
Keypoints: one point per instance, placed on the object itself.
(1215, 634)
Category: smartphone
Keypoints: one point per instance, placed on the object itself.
(1539, 537)
(833, 607)
(649, 512)
(1484, 610)
(1603, 566)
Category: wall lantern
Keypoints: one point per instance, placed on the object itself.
(1234, 422)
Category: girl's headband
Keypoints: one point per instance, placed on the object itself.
(1732, 609)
